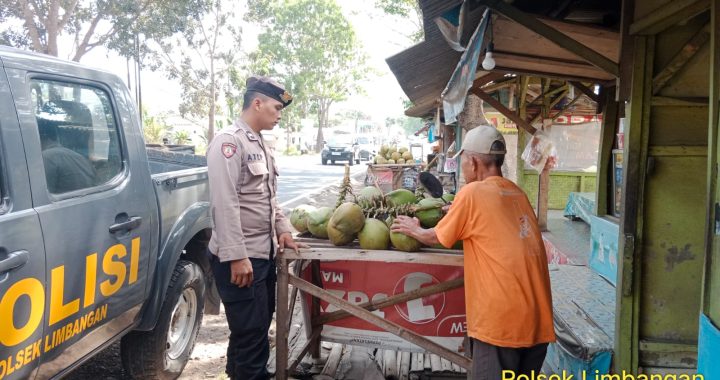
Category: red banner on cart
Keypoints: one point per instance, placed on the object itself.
(438, 317)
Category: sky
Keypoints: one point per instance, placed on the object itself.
(381, 36)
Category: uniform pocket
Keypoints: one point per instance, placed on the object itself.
(253, 178)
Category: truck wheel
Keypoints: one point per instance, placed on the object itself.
(324, 161)
(163, 352)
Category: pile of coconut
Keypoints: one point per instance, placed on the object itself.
(369, 217)
(393, 155)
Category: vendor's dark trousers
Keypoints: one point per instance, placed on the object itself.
(488, 361)
(249, 312)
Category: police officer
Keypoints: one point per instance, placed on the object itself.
(248, 225)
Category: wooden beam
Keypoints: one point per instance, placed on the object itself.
(585, 90)
(425, 256)
(666, 101)
(681, 59)
(504, 110)
(313, 337)
(383, 323)
(487, 78)
(394, 300)
(567, 107)
(667, 15)
(552, 34)
(549, 107)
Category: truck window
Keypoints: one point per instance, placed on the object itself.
(78, 133)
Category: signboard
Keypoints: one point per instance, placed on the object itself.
(439, 317)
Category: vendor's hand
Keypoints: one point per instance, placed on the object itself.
(285, 240)
(241, 272)
(446, 208)
(405, 224)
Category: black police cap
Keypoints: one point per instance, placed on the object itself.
(270, 88)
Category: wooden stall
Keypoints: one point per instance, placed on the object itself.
(290, 273)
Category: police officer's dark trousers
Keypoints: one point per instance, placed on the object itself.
(249, 312)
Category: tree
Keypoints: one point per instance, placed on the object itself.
(409, 9)
(312, 47)
(154, 128)
(201, 59)
(38, 24)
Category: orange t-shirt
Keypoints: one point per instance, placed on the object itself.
(507, 285)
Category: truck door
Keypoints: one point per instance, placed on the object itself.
(94, 209)
(22, 258)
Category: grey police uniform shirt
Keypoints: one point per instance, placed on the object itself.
(243, 185)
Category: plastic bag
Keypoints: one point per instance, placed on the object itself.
(540, 152)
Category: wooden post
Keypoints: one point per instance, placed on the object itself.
(544, 176)
(315, 311)
(282, 320)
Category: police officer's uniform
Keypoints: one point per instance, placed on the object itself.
(247, 221)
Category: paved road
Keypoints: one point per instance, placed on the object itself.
(300, 176)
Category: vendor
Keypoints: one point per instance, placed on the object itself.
(507, 285)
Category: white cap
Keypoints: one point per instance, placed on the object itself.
(480, 140)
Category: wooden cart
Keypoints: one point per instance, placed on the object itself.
(322, 250)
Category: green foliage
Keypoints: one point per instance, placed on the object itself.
(110, 23)
(182, 137)
(207, 53)
(409, 9)
(154, 128)
(313, 50)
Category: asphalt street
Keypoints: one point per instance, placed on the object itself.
(302, 176)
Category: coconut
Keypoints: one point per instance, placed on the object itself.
(380, 160)
(448, 197)
(403, 242)
(407, 156)
(345, 223)
(391, 161)
(399, 197)
(400, 161)
(395, 156)
(368, 193)
(429, 211)
(298, 217)
(402, 150)
(317, 221)
(374, 235)
(338, 237)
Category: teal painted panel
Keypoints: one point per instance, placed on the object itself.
(708, 349)
(604, 237)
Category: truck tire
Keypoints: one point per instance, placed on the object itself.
(163, 352)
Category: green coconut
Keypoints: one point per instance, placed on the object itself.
(395, 156)
(338, 237)
(403, 242)
(407, 156)
(317, 221)
(298, 217)
(448, 197)
(430, 211)
(399, 197)
(368, 193)
(374, 235)
(345, 223)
